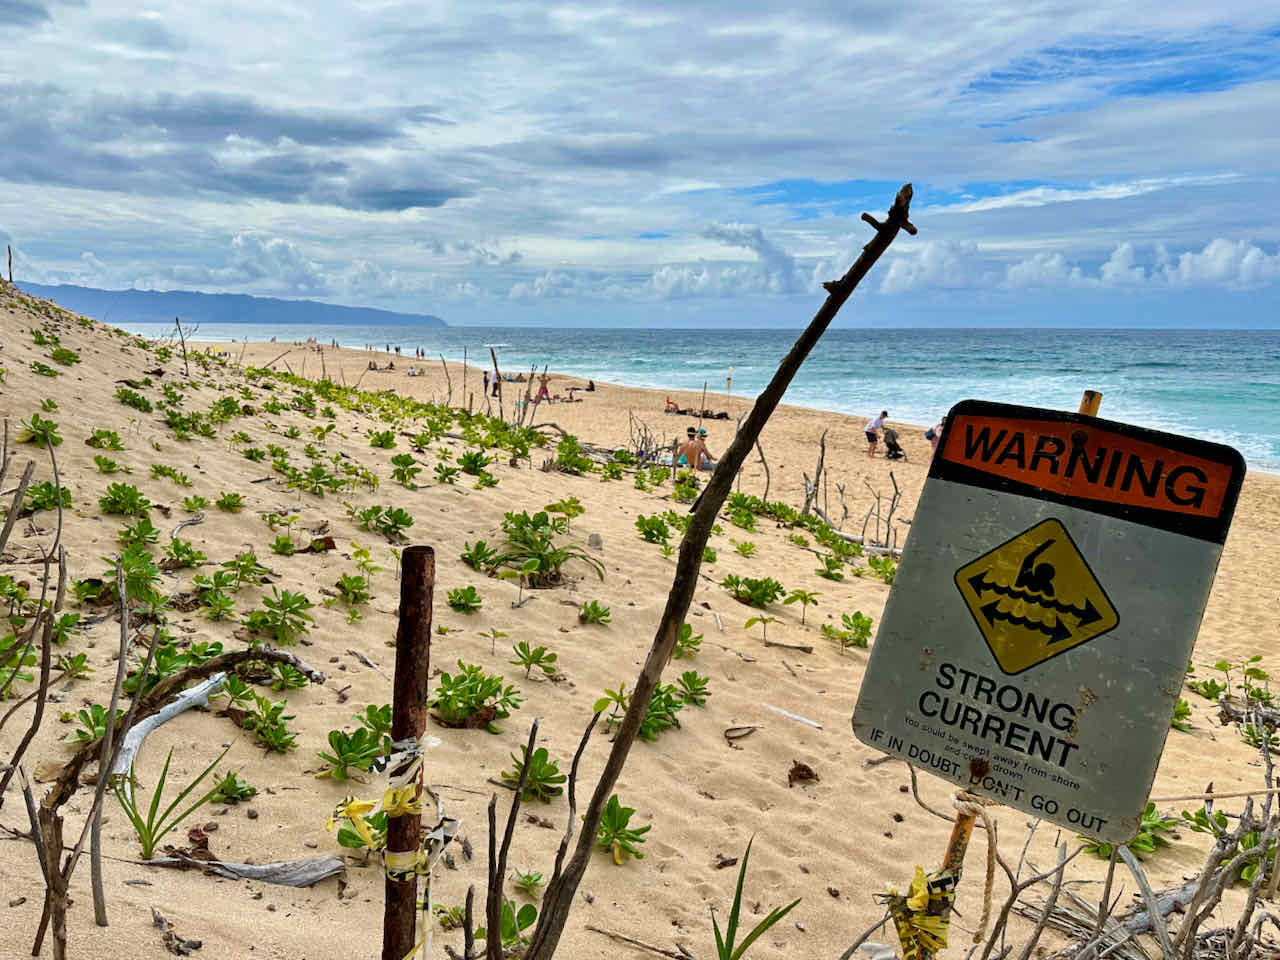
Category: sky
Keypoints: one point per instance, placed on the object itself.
(654, 163)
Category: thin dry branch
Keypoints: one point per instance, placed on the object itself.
(558, 899)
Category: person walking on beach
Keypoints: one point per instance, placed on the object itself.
(873, 429)
(543, 392)
(485, 391)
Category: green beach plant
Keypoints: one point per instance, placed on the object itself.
(153, 825)
(543, 780)
(727, 946)
(593, 612)
(530, 657)
(616, 833)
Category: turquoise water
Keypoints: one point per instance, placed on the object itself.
(1222, 385)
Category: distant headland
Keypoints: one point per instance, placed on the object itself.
(120, 307)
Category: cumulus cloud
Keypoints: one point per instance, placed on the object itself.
(1226, 263)
(1043, 270)
(937, 263)
(1121, 269)
(779, 266)
(552, 284)
(1222, 263)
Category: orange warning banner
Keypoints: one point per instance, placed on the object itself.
(1089, 462)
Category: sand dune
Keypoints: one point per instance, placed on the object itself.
(833, 842)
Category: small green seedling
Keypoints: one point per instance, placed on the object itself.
(232, 789)
(230, 502)
(125, 500)
(693, 688)
(528, 657)
(593, 612)
(528, 883)
(687, 644)
(41, 432)
(615, 833)
(543, 780)
(806, 599)
(347, 750)
(1181, 716)
(464, 599)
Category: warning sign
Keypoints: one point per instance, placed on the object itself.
(1034, 597)
(1047, 601)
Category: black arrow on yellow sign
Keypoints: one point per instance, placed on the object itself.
(1086, 614)
(1059, 631)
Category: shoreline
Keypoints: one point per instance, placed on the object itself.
(715, 399)
(837, 381)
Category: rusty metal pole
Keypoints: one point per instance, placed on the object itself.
(408, 721)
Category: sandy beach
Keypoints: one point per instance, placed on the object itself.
(833, 842)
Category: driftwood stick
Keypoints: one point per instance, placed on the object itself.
(1104, 905)
(167, 686)
(497, 379)
(1153, 907)
(802, 647)
(197, 696)
(558, 899)
(573, 801)
(44, 622)
(185, 365)
(862, 938)
(285, 873)
(141, 707)
(267, 365)
(104, 758)
(660, 951)
(1049, 904)
(764, 463)
(498, 868)
(448, 380)
(16, 507)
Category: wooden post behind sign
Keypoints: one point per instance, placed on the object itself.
(1090, 403)
(408, 721)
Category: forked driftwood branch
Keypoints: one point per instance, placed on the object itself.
(558, 899)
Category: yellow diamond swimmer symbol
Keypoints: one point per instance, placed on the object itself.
(1034, 597)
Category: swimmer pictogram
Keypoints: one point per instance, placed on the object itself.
(1034, 597)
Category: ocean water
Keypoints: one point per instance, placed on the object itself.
(1221, 385)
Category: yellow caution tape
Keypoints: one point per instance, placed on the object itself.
(923, 916)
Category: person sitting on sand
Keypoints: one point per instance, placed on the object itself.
(672, 407)
(695, 452)
(591, 386)
(873, 429)
(707, 459)
(688, 449)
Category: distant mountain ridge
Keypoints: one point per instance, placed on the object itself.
(131, 306)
